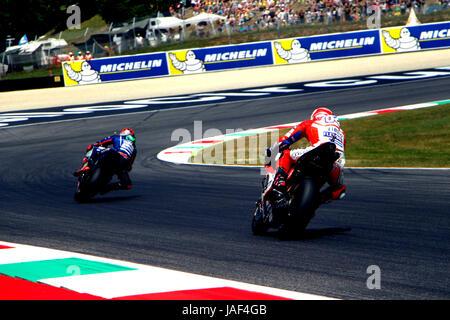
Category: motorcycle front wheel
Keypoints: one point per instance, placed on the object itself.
(88, 185)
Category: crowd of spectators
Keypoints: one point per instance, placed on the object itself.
(243, 15)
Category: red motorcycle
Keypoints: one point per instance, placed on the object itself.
(304, 183)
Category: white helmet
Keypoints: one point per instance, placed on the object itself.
(320, 112)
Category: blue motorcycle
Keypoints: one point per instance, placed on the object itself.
(103, 164)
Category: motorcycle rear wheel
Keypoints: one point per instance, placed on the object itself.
(302, 212)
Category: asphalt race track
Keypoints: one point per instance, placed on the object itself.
(197, 218)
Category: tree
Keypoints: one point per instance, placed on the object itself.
(34, 18)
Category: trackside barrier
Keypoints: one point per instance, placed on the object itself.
(283, 51)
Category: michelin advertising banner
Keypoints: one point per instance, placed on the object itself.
(220, 58)
(333, 46)
(115, 69)
(283, 51)
(412, 38)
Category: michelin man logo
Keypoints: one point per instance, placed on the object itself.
(190, 65)
(86, 76)
(404, 43)
(295, 55)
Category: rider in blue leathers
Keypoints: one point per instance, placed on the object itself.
(124, 144)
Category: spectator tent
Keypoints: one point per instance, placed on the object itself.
(162, 29)
(31, 55)
(204, 19)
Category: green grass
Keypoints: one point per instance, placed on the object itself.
(416, 138)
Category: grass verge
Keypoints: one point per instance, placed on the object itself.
(416, 138)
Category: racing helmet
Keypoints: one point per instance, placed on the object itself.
(128, 134)
(320, 112)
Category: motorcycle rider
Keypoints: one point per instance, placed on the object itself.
(322, 127)
(124, 144)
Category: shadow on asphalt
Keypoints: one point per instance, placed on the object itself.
(310, 234)
(108, 199)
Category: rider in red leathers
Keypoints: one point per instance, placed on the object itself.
(322, 127)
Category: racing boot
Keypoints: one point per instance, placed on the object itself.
(280, 188)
